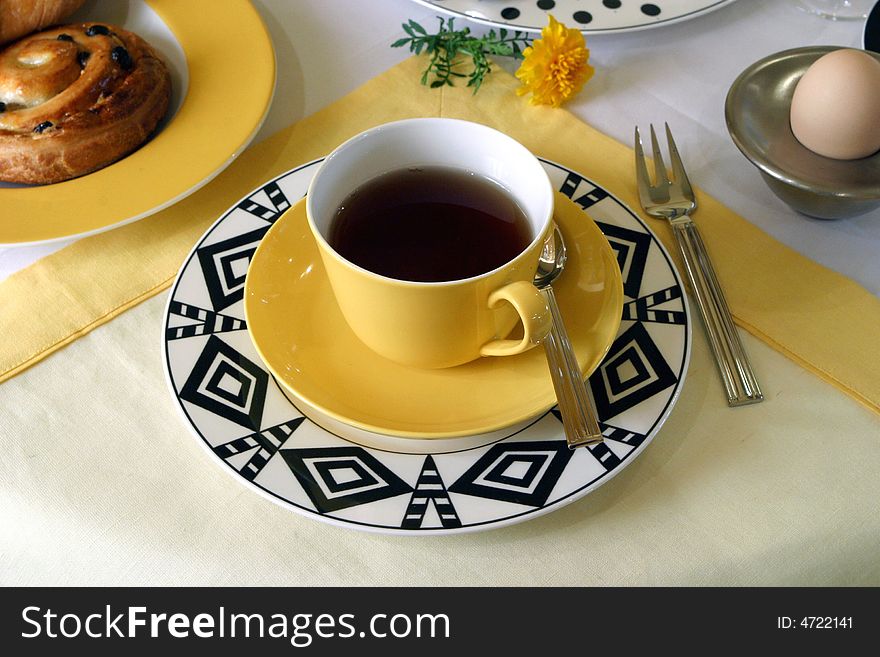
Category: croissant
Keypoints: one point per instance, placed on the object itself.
(74, 99)
(19, 17)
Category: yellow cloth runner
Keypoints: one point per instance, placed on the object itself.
(824, 321)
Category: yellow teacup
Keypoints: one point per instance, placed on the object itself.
(437, 324)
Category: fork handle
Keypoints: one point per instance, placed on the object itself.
(740, 383)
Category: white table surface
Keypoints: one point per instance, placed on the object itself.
(679, 73)
(101, 483)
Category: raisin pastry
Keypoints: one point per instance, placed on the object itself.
(75, 98)
(20, 17)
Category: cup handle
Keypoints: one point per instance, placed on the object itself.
(532, 308)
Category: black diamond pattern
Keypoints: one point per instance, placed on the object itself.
(225, 287)
(329, 469)
(632, 249)
(337, 478)
(633, 371)
(217, 365)
(521, 472)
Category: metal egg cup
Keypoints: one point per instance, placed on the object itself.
(757, 112)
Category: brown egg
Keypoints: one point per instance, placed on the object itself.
(835, 110)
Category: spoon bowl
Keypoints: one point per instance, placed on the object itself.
(552, 260)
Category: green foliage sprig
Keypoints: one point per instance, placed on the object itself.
(448, 44)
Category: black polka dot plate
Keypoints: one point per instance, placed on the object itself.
(331, 472)
(590, 16)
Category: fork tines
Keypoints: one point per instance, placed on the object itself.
(660, 190)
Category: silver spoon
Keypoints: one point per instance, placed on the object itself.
(575, 405)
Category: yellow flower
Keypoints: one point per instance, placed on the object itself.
(555, 66)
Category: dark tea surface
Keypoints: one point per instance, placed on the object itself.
(429, 224)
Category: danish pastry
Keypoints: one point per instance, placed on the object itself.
(20, 17)
(74, 99)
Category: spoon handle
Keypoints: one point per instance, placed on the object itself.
(575, 405)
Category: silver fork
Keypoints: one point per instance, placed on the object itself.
(674, 200)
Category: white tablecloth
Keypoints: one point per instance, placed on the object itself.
(100, 482)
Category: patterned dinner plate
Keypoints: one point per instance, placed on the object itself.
(331, 472)
(590, 16)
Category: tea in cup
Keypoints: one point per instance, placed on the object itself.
(430, 231)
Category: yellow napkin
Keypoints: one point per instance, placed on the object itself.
(822, 320)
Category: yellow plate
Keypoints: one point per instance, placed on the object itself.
(231, 78)
(305, 342)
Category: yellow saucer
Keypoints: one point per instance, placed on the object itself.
(302, 337)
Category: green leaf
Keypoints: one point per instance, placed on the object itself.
(449, 46)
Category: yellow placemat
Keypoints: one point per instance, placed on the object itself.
(822, 320)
